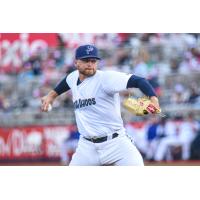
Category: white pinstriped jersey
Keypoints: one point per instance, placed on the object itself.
(97, 102)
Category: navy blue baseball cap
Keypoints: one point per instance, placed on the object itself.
(87, 51)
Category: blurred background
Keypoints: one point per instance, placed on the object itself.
(32, 63)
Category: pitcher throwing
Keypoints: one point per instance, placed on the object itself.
(96, 102)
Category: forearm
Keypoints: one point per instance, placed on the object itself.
(52, 95)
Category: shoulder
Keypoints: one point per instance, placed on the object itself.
(107, 74)
(111, 72)
(72, 76)
(115, 74)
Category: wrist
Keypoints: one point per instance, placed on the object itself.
(52, 95)
(154, 98)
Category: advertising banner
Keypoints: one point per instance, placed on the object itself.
(32, 142)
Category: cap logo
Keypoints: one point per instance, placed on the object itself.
(89, 49)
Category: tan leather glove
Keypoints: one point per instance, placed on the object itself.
(141, 106)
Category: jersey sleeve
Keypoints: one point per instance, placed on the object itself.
(113, 82)
(72, 78)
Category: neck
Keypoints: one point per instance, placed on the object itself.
(82, 77)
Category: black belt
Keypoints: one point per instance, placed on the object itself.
(101, 139)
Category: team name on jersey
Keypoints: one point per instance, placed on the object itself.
(80, 103)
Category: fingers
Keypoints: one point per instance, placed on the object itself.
(153, 109)
(44, 104)
(155, 104)
(44, 107)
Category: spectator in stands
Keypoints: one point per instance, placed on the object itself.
(179, 95)
(174, 65)
(140, 63)
(69, 145)
(195, 147)
(60, 51)
(110, 65)
(194, 94)
(123, 56)
(182, 134)
(1, 102)
(151, 137)
(138, 133)
(35, 63)
(190, 63)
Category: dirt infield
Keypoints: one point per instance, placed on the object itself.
(172, 163)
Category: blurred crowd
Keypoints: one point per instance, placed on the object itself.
(167, 139)
(171, 63)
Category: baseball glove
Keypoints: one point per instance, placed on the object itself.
(140, 106)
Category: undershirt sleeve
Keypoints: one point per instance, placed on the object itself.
(142, 84)
(62, 87)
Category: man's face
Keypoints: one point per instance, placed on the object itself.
(87, 66)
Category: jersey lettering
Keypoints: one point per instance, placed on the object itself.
(80, 103)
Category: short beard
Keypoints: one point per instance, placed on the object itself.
(87, 74)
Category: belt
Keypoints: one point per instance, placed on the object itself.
(101, 139)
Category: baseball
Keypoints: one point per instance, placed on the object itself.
(49, 107)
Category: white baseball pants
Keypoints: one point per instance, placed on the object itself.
(119, 151)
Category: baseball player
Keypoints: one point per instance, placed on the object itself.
(95, 94)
